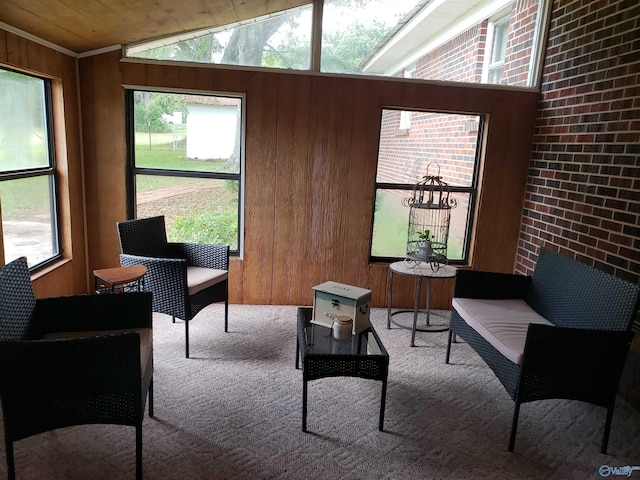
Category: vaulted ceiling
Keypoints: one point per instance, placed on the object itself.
(84, 25)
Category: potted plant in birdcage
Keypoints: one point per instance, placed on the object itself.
(425, 248)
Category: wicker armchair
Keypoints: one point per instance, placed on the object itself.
(183, 277)
(83, 359)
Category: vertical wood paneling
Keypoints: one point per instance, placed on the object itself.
(105, 155)
(3, 46)
(318, 261)
(262, 113)
(17, 50)
(291, 186)
(361, 191)
(311, 156)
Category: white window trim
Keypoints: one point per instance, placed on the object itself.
(500, 18)
(405, 115)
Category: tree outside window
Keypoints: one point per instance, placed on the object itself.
(186, 164)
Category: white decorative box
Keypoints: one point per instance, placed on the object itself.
(341, 299)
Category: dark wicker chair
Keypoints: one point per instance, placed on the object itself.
(75, 360)
(183, 277)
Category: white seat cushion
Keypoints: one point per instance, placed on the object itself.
(199, 278)
(502, 323)
(146, 340)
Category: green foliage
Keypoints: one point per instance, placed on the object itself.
(200, 49)
(426, 235)
(214, 227)
(389, 227)
(283, 41)
(25, 198)
(150, 106)
(175, 159)
(344, 51)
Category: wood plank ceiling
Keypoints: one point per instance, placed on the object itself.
(85, 25)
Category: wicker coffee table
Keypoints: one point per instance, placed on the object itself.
(362, 355)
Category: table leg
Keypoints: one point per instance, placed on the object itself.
(389, 290)
(382, 404)
(428, 305)
(297, 353)
(304, 405)
(415, 310)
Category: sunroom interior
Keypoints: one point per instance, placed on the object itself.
(556, 160)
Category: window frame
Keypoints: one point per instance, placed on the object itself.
(457, 27)
(500, 20)
(133, 170)
(472, 190)
(49, 171)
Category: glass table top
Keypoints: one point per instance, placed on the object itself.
(319, 341)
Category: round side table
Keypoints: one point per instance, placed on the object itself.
(119, 278)
(419, 270)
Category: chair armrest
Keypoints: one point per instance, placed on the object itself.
(166, 278)
(490, 285)
(573, 363)
(205, 256)
(91, 313)
(49, 384)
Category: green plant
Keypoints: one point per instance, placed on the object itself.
(425, 235)
(213, 227)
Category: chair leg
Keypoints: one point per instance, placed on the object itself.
(514, 426)
(607, 430)
(226, 315)
(151, 398)
(139, 451)
(186, 338)
(11, 468)
(448, 347)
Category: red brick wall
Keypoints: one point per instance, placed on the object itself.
(448, 140)
(583, 194)
(522, 26)
(459, 60)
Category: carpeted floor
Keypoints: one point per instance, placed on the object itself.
(233, 411)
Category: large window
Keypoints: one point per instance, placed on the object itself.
(186, 155)
(280, 40)
(441, 144)
(27, 169)
(353, 31)
(445, 40)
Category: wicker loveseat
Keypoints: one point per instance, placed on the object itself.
(562, 333)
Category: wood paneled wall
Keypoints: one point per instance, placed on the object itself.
(70, 274)
(311, 153)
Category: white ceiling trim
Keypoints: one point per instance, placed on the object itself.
(390, 60)
(41, 41)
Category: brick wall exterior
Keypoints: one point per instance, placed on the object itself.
(451, 140)
(448, 140)
(459, 60)
(583, 194)
(522, 27)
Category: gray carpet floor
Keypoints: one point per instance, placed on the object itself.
(233, 411)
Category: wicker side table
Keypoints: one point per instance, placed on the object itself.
(362, 355)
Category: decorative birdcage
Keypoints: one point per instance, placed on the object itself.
(429, 215)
